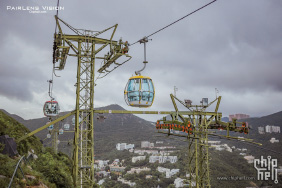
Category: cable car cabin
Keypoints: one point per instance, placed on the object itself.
(139, 92)
(51, 108)
(67, 127)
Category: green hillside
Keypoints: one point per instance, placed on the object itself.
(52, 170)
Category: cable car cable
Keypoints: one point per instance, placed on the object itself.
(175, 21)
(55, 47)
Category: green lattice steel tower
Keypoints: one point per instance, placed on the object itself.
(198, 155)
(85, 45)
(195, 125)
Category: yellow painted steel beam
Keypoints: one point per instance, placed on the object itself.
(45, 126)
(95, 40)
(155, 112)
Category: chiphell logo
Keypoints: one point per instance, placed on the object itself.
(267, 168)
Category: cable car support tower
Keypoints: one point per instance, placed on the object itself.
(196, 126)
(85, 45)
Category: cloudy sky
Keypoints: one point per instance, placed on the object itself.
(234, 46)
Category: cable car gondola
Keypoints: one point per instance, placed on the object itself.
(139, 91)
(51, 108)
(67, 127)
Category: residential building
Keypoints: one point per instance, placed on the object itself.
(222, 147)
(166, 152)
(238, 116)
(249, 158)
(168, 173)
(276, 129)
(159, 142)
(165, 147)
(268, 128)
(124, 146)
(101, 182)
(163, 159)
(214, 142)
(101, 163)
(142, 152)
(261, 130)
(171, 173)
(121, 146)
(272, 129)
(149, 176)
(138, 158)
(131, 184)
(178, 182)
(273, 140)
(147, 144)
(138, 170)
(115, 168)
(115, 162)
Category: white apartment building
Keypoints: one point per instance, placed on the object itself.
(147, 144)
(163, 159)
(272, 129)
(101, 163)
(159, 142)
(165, 147)
(168, 173)
(138, 170)
(268, 128)
(123, 146)
(214, 142)
(138, 158)
(222, 147)
(141, 152)
(249, 158)
(166, 152)
(261, 130)
(178, 182)
(276, 129)
(131, 184)
(273, 140)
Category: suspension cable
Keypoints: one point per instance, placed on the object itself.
(176, 21)
(54, 58)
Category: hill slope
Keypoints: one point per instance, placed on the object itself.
(52, 170)
(116, 128)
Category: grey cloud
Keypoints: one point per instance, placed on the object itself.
(233, 45)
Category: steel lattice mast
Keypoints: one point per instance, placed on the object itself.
(195, 126)
(85, 46)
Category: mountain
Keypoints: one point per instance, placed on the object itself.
(267, 148)
(225, 119)
(116, 128)
(272, 119)
(14, 116)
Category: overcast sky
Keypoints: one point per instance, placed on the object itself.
(234, 46)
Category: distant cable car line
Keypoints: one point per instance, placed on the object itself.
(175, 21)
